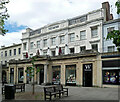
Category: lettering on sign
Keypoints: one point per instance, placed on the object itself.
(87, 67)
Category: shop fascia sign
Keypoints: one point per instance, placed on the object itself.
(88, 67)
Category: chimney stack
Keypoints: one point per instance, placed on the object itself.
(107, 15)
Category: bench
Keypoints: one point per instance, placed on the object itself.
(20, 86)
(50, 91)
(62, 90)
(54, 90)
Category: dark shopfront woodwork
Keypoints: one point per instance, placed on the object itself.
(12, 75)
(20, 75)
(87, 75)
(41, 76)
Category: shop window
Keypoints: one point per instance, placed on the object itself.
(56, 74)
(111, 77)
(20, 75)
(71, 75)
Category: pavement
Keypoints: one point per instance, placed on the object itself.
(84, 93)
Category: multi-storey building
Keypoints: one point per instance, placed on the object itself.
(6, 54)
(78, 36)
(68, 36)
(108, 26)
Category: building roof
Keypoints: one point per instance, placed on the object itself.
(14, 45)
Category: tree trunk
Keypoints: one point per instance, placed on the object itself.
(33, 87)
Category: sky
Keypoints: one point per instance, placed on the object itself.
(38, 13)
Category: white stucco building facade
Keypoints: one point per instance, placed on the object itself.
(67, 36)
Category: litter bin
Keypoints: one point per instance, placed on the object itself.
(9, 91)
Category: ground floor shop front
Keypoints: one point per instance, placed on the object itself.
(82, 70)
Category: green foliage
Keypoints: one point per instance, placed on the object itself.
(3, 16)
(31, 70)
(115, 35)
(117, 4)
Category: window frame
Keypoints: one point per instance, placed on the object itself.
(62, 39)
(72, 37)
(94, 30)
(83, 36)
(45, 42)
(38, 44)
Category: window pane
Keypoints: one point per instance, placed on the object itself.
(82, 35)
(110, 29)
(94, 31)
(45, 43)
(24, 45)
(72, 37)
(95, 47)
(10, 52)
(53, 41)
(38, 44)
(62, 39)
(14, 51)
(19, 50)
(71, 50)
(82, 48)
(111, 48)
(31, 45)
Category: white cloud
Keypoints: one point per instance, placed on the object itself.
(37, 13)
(9, 38)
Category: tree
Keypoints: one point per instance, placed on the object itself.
(3, 16)
(115, 34)
(32, 71)
(117, 4)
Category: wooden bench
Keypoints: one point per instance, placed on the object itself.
(62, 90)
(50, 91)
(20, 86)
(54, 90)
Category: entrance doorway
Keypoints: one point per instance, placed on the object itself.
(12, 75)
(4, 77)
(87, 75)
(41, 76)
